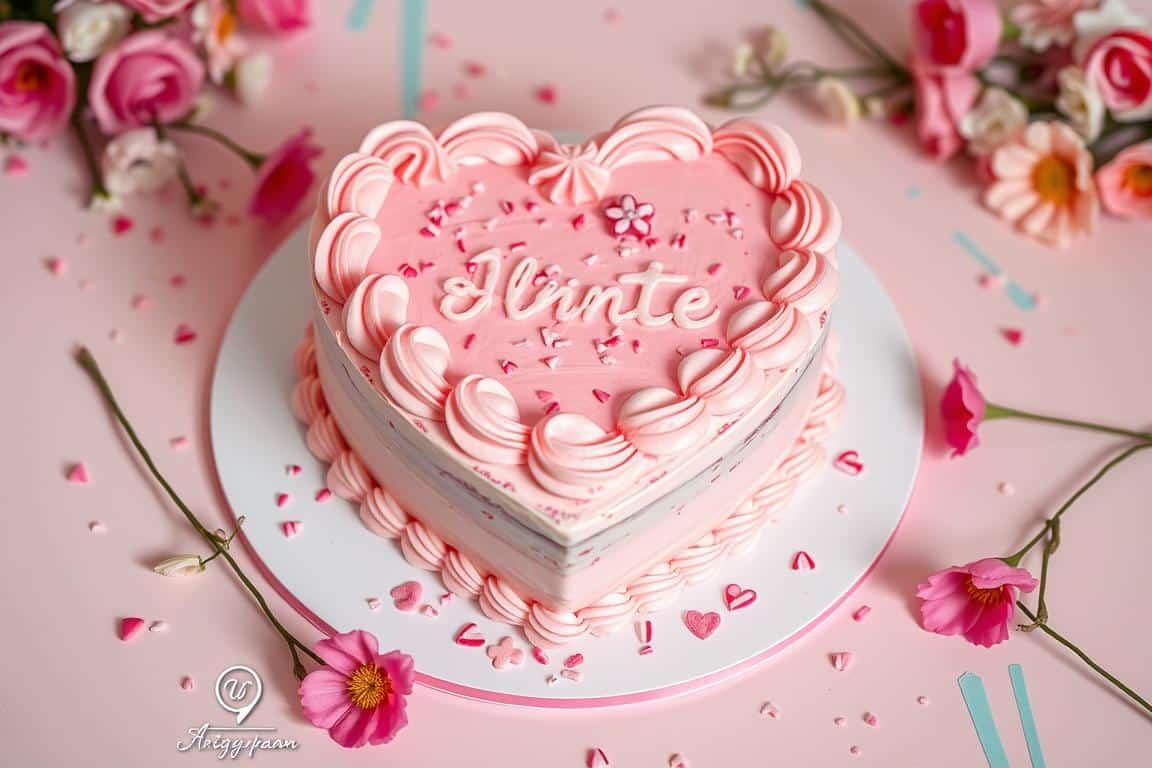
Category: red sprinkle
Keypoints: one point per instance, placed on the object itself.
(546, 94)
(677, 241)
(574, 660)
(469, 340)
(430, 231)
(709, 343)
(293, 469)
(545, 396)
(407, 270)
(531, 206)
(636, 346)
(644, 650)
(1012, 335)
(426, 265)
(552, 408)
(56, 266)
(508, 367)
(290, 528)
(323, 495)
(282, 500)
(475, 69)
(613, 341)
(452, 208)
(539, 655)
(861, 612)
(601, 395)
(803, 559)
(579, 221)
(507, 206)
(122, 224)
(184, 334)
(740, 292)
(714, 268)
(517, 246)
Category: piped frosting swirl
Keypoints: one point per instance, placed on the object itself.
(483, 419)
(775, 335)
(412, 370)
(661, 422)
(374, 311)
(728, 381)
(411, 150)
(571, 456)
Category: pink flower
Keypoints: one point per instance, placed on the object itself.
(975, 600)
(1042, 181)
(1125, 184)
(630, 216)
(1120, 66)
(149, 76)
(359, 696)
(277, 16)
(942, 101)
(158, 10)
(956, 35)
(37, 86)
(963, 409)
(1044, 23)
(285, 178)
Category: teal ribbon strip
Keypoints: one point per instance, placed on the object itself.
(413, 25)
(976, 699)
(1027, 721)
(1020, 297)
(359, 14)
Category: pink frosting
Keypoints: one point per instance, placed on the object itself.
(374, 311)
(655, 133)
(766, 154)
(802, 216)
(421, 547)
(358, 184)
(661, 422)
(382, 515)
(775, 335)
(568, 174)
(549, 629)
(803, 278)
(483, 419)
(324, 438)
(608, 614)
(656, 589)
(308, 399)
(414, 154)
(460, 576)
(500, 602)
(412, 370)
(727, 381)
(342, 254)
(348, 478)
(700, 560)
(489, 137)
(304, 358)
(570, 456)
(741, 529)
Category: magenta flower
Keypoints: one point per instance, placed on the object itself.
(963, 409)
(956, 35)
(284, 178)
(37, 86)
(360, 696)
(277, 16)
(975, 600)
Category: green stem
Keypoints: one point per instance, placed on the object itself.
(856, 37)
(88, 363)
(1001, 412)
(1041, 603)
(253, 159)
(95, 175)
(1085, 658)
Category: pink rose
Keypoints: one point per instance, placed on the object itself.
(975, 600)
(956, 34)
(149, 76)
(285, 178)
(962, 409)
(942, 100)
(37, 85)
(277, 16)
(1120, 66)
(158, 10)
(1125, 184)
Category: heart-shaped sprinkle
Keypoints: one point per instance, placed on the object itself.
(187, 683)
(702, 625)
(469, 636)
(1012, 335)
(849, 463)
(597, 759)
(78, 474)
(282, 500)
(406, 596)
(737, 597)
(290, 528)
(803, 561)
(841, 660)
(130, 627)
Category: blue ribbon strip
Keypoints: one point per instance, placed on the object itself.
(413, 23)
(976, 699)
(1020, 297)
(1027, 721)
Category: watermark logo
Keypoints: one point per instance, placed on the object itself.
(238, 691)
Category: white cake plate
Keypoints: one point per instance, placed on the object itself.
(334, 564)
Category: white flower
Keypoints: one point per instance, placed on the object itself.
(87, 28)
(629, 215)
(214, 29)
(250, 77)
(1044, 23)
(741, 58)
(1093, 24)
(1080, 103)
(136, 161)
(997, 117)
(180, 565)
(837, 101)
(771, 44)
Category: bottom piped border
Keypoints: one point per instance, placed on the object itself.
(348, 478)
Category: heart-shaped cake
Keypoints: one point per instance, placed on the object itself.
(570, 378)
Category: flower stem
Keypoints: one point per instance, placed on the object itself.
(98, 190)
(1085, 658)
(856, 37)
(1001, 412)
(254, 159)
(1041, 604)
(88, 363)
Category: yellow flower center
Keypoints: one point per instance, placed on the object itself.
(368, 686)
(225, 26)
(1138, 179)
(30, 76)
(985, 596)
(1054, 180)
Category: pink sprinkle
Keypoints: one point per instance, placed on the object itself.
(374, 603)
(56, 266)
(440, 40)
(574, 675)
(579, 221)
(130, 627)
(452, 208)
(184, 334)
(290, 527)
(178, 442)
(15, 165)
(861, 612)
(709, 343)
(552, 408)
(922, 700)
(644, 631)
(678, 241)
(508, 367)
(157, 234)
(545, 396)
(140, 301)
(445, 598)
(507, 206)
(430, 230)
(282, 500)
(408, 271)
(871, 719)
(854, 750)
(651, 242)
(115, 336)
(740, 292)
(177, 281)
(713, 269)
(539, 655)
(839, 722)
(97, 527)
(552, 361)
(716, 218)
(1006, 488)
(531, 206)
(841, 660)
(601, 395)
(429, 610)
(475, 69)
(733, 219)
(323, 495)
(636, 346)
(427, 265)
(596, 759)
(122, 224)
(690, 215)
(517, 246)
(1012, 335)
(428, 101)
(546, 94)
(78, 474)
(768, 709)
(470, 266)
(644, 650)
(803, 560)
(591, 259)
(574, 661)
(469, 340)
(187, 683)
(989, 281)
(293, 469)
(842, 508)
(613, 341)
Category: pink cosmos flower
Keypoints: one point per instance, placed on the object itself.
(37, 86)
(277, 16)
(1125, 184)
(1120, 66)
(284, 178)
(148, 76)
(1042, 181)
(942, 100)
(956, 35)
(158, 10)
(975, 600)
(360, 696)
(963, 409)
(1044, 23)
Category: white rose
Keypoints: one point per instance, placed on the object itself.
(837, 101)
(250, 77)
(995, 119)
(741, 58)
(1080, 103)
(771, 44)
(180, 565)
(87, 28)
(136, 161)
(1093, 24)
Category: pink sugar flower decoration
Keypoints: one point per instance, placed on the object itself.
(976, 600)
(963, 408)
(1125, 184)
(284, 178)
(359, 697)
(629, 216)
(1042, 182)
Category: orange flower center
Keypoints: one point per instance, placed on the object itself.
(30, 76)
(225, 26)
(986, 597)
(1138, 179)
(1054, 180)
(368, 686)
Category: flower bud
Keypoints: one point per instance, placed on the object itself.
(180, 565)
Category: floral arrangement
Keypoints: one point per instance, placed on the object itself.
(128, 76)
(1052, 100)
(979, 600)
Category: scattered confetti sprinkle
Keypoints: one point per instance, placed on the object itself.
(187, 683)
(406, 596)
(429, 100)
(130, 627)
(184, 334)
(282, 500)
(469, 636)
(861, 612)
(539, 654)
(854, 750)
(374, 603)
(429, 610)
(596, 758)
(1012, 335)
(97, 527)
(871, 719)
(644, 631)
(714, 269)
(157, 234)
(178, 281)
(440, 40)
(159, 626)
(922, 700)
(841, 660)
(122, 225)
(574, 675)
(546, 94)
(505, 653)
(768, 709)
(849, 463)
(677, 761)
(58, 267)
(574, 660)
(291, 528)
(323, 495)
(644, 650)
(601, 395)
(839, 722)
(1006, 488)
(15, 165)
(78, 474)
(178, 442)
(803, 561)
(293, 469)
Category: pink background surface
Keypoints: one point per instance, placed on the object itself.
(72, 691)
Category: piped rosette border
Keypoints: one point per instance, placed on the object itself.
(567, 454)
(660, 587)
